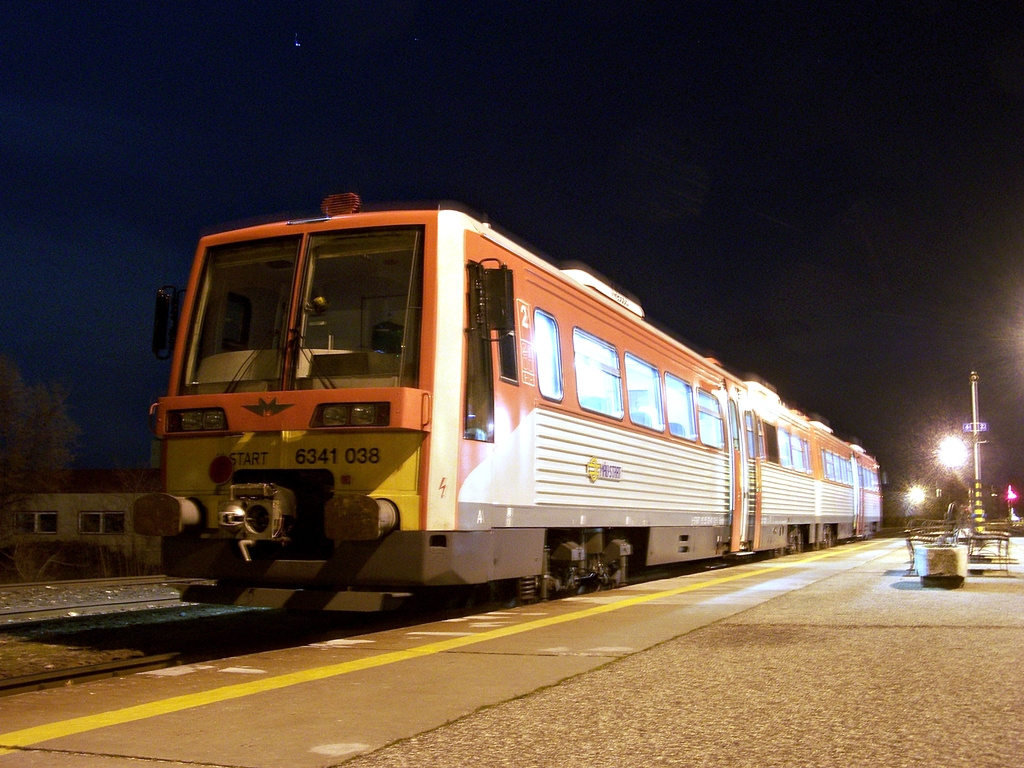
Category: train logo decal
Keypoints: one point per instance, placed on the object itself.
(600, 470)
(263, 408)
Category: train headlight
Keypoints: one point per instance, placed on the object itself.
(364, 414)
(334, 415)
(352, 415)
(197, 420)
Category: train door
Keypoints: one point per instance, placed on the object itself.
(737, 480)
(858, 497)
(753, 441)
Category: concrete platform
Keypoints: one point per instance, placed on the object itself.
(834, 658)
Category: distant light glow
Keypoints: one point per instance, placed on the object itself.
(916, 495)
(953, 452)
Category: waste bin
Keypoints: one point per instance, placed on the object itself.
(941, 565)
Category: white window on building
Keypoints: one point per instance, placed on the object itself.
(101, 522)
(35, 522)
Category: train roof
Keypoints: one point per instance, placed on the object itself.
(576, 272)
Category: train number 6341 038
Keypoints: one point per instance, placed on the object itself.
(330, 456)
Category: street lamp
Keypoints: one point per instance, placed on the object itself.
(916, 496)
(913, 499)
(976, 427)
(953, 452)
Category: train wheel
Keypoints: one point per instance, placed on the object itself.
(795, 541)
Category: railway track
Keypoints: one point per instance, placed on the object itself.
(67, 599)
(17, 615)
(56, 678)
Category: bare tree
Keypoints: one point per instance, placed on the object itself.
(37, 439)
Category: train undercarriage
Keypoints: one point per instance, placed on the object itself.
(526, 565)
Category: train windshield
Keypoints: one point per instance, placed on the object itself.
(361, 309)
(241, 323)
(357, 324)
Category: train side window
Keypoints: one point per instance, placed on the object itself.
(598, 377)
(709, 414)
(800, 463)
(643, 387)
(753, 445)
(679, 401)
(479, 394)
(785, 449)
(771, 443)
(548, 354)
(837, 468)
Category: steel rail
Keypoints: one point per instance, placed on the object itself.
(12, 616)
(60, 677)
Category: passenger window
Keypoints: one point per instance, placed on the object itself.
(799, 460)
(772, 441)
(785, 449)
(548, 355)
(753, 444)
(598, 378)
(679, 401)
(643, 385)
(710, 419)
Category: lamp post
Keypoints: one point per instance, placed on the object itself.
(978, 502)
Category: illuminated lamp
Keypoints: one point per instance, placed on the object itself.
(952, 452)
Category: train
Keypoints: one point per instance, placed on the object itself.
(367, 405)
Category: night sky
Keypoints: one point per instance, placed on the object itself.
(831, 199)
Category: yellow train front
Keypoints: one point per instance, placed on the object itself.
(366, 404)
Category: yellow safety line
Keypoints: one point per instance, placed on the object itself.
(36, 734)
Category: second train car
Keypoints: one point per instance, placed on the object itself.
(367, 404)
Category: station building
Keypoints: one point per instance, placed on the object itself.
(79, 528)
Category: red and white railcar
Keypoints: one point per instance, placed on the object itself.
(368, 403)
